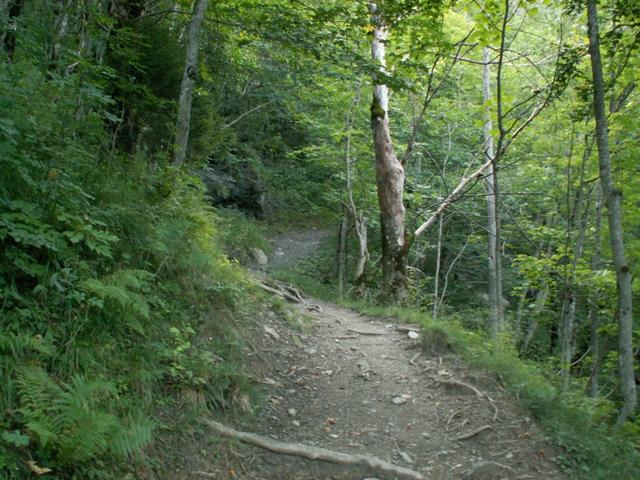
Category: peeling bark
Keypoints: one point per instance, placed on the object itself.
(390, 175)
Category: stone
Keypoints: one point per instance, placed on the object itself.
(259, 257)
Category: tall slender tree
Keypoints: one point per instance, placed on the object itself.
(613, 201)
(495, 264)
(189, 76)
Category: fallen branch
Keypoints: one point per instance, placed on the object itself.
(472, 434)
(315, 453)
(412, 360)
(280, 293)
(360, 332)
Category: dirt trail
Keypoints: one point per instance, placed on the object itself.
(360, 385)
(290, 247)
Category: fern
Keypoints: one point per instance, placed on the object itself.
(120, 292)
(71, 420)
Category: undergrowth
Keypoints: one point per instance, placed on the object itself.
(115, 297)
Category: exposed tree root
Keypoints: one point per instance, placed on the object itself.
(478, 393)
(315, 453)
(281, 293)
(472, 434)
(412, 360)
(362, 332)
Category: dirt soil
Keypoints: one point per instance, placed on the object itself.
(290, 247)
(363, 385)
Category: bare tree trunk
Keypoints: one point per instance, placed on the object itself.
(569, 295)
(436, 277)
(341, 254)
(61, 26)
(613, 200)
(594, 311)
(359, 220)
(517, 326)
(541, 301)
(189, 77)
(389, 174)
(363, 249)
(495, 274)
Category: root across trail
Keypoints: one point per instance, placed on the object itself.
(362, 388)
(353, 397)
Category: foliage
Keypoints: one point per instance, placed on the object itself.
(105, 253)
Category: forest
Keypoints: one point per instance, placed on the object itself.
(474, 165)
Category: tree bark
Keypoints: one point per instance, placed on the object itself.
(341, 254)
(436, 277)
(13, 9)
(390, 174)
(594, 311)
(61, 27)
(494, 255)
(613, 201)
(359, 220)
(189, 77)
(540, 302)
(576, 217)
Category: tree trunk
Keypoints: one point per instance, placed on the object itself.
(389, 175)
(495, 265)
(363, 249)
(576, 217)
(517, 324)
(613, 201)
(13, 9)
(540, 302)
(436, 277)
(359, 221)
(61, 27)
(341, 254)
(189, 77)
(594, 311)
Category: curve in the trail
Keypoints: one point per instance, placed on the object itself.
(291, 247)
